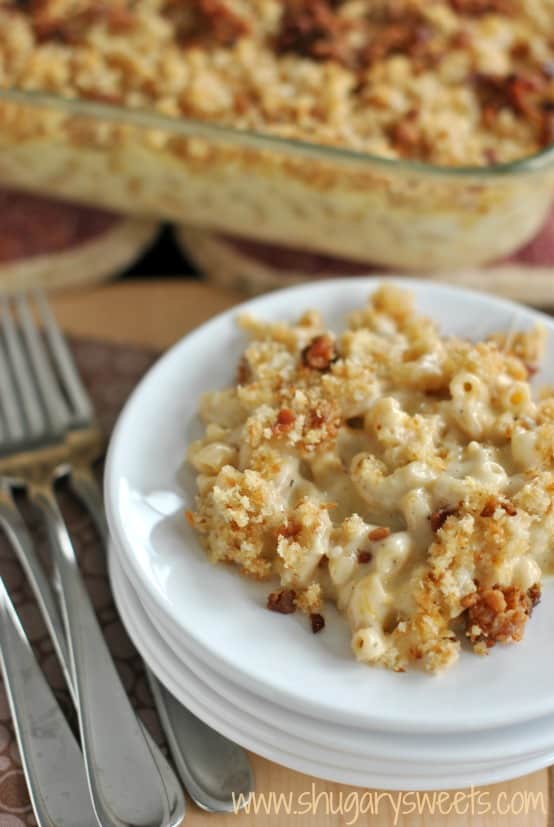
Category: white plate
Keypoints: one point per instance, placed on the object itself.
(482, 748)
(204, 702)
(147, 491)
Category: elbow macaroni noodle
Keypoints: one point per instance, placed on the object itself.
(404, 475)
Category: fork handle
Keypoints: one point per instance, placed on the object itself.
(85, 487)
(24, 547)
(126, 785)
(50, 755)
(214, 770)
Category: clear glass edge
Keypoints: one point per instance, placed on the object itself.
(188, 127)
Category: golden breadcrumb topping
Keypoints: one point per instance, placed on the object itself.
(452, 82)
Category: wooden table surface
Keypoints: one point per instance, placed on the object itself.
(157, 314)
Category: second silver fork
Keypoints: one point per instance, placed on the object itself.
(129, 779)
(214, 770)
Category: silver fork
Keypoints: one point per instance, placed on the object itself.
(130, 783)
(50, 755)
(211, 767)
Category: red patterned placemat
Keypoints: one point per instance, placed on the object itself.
(110, 373)
(52, 244)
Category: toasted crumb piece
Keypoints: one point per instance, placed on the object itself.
(310, 600)
(527, 345)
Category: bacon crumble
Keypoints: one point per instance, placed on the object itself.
(244, 371)
(214, 20)
(509, 508)
(320, 353)
(283, 601)
(411, 37)
(72, 27)
(477, 8)
(499, 614)
(440, 516)
(285, 419)
(379, 533)
(490, 507)
(365, 557)
(290, 529)
(407, 136)
(534, 595)
(311, 28)
(529, 94)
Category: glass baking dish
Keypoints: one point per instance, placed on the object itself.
(396, 213)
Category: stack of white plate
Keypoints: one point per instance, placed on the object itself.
(263, 679)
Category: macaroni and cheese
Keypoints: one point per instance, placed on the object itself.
(453, 83)
(405, 475)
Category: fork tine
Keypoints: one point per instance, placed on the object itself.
(56, 407)
(63, 359)
(14, 419)
(21, 372)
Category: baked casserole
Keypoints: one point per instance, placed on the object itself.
(359, 112)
